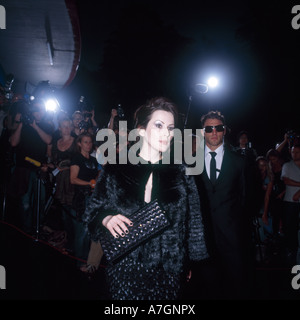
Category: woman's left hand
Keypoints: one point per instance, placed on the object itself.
(116, 225)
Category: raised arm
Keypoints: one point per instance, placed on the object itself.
(16, 135)
(47, 138)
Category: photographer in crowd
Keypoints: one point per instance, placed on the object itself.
(291, 138)
(116, 116)
(30, 139)
(77, 119)
(89, 123)
(245, 147)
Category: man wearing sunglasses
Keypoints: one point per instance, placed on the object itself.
(222, 190)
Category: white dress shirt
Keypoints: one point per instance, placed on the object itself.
(219, 159)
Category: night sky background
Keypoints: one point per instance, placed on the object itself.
(135, 50)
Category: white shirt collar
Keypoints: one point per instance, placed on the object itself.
(218, 151)
(219, 159)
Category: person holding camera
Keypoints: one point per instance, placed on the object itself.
(89, 123)
(115, 116)
(29, 139)
(77, 118)
(245, 147)
(284, 147)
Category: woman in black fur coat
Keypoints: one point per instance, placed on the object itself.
(157, 269)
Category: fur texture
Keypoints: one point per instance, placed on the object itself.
(120, 190)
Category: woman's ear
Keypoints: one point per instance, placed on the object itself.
(142, 132)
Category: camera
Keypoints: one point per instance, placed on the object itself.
(85, 125)
(120, 112)
(85, 109)
(87, 115)
(291, 134)
(27, 114)
(293, 137)
(27, 118)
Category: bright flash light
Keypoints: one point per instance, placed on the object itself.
(51, 105)
(213, 82)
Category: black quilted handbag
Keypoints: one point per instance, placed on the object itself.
(148, 222)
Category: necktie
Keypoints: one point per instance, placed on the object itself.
(213, 167)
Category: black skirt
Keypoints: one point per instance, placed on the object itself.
(131, 280)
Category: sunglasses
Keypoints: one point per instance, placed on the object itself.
(219, 128)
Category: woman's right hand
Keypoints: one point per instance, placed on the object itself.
(117, 225)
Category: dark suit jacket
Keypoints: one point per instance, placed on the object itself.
(227, 225)
(223, 208)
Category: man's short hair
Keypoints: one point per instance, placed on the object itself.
(213, 115)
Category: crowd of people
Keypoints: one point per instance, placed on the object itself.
(278, 207)
(49, 160)
(241, 199)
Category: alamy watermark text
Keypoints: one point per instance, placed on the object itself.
(2, 17)
(2, 278)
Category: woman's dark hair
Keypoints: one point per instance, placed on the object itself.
(144, 113)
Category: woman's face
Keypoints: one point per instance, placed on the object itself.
(86, 144)
(65, 128)
(273, 160)
(76, 120)
(159, 131)
(262, 166)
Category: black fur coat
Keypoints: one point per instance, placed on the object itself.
(120, 190)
